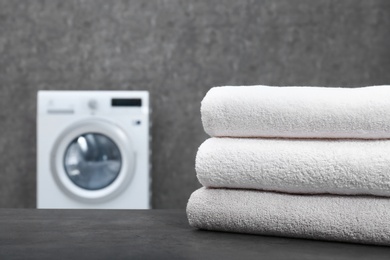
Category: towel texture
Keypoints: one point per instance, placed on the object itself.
(339, 218)
(297, 112)
(296, 165)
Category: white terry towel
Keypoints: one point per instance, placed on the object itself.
(327, 217)
(297, 112)
(296, 165)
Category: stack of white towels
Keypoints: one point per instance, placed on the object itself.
(306, 162)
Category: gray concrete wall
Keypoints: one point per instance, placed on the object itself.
(177, 50)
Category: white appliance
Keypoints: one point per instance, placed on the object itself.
(93, 149)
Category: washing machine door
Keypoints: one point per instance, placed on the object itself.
(93, 160)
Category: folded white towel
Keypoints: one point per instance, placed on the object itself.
(297, 112)
(340, 218)
(296, 165)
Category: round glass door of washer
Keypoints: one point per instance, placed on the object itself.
(92, 161)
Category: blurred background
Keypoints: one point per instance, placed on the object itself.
(177, 50)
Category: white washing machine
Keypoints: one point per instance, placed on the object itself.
(93, 149)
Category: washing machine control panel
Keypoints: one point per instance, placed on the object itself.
(102, 102)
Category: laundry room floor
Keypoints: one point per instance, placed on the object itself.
(149, 234)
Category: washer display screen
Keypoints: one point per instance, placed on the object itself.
(92, 161)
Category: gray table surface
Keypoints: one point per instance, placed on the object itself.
(153, 234)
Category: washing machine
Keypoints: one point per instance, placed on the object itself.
(93, 150)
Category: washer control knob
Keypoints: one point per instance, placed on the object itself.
(92, 104)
